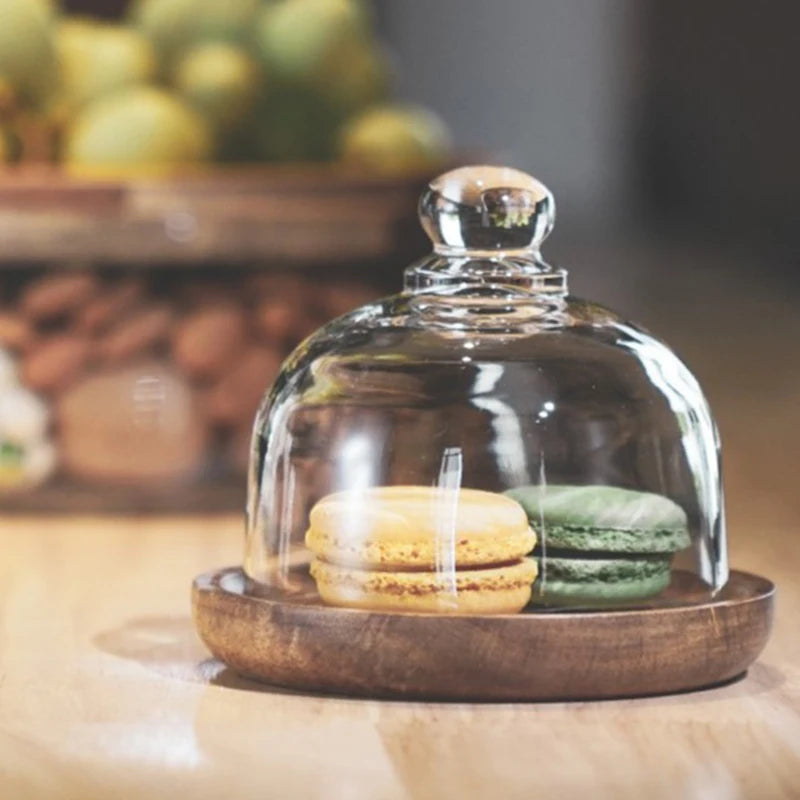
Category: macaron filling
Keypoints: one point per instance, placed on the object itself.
(615, 540)
(604, 567)
(423, 551)
(493, 589)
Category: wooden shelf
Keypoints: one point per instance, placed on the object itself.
(292, 215)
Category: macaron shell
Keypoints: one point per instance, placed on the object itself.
(599, 581)
(495, 590)
(396, 513)
(607, 507)
(419, 527)
(604, 518)
(423, 552)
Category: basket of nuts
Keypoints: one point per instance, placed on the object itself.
(144, 365)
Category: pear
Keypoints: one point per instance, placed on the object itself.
(141, 130)
(394, 139)
(166, 23)
(220, 81)
(98, 58)
(231, 20)
(301, 39)
(358, 77)
(27, 55)
(175, 25)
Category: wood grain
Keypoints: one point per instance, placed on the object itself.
(528, 656)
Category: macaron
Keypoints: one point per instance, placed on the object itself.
(602, 544)
(422, 548)
(504, 589)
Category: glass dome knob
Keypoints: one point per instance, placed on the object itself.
(486, 208)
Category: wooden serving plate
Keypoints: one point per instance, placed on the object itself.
(685, 639)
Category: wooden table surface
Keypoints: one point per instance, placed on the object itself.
(105, 692)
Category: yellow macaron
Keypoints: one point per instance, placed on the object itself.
(418, 527)
(422, 548)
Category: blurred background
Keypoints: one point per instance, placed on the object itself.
(668, 133)
(194, 186)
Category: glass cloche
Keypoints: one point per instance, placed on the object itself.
(483, 442)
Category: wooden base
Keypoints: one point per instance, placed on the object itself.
(670, 646)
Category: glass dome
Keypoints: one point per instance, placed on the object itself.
(484, 442)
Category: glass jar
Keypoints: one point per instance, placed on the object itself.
(483, 441)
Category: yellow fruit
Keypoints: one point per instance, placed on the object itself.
(220, 80)
(139, 130)
(96, 58)
(27, 56)
(395, 139)
(175, 25)
(301, 39)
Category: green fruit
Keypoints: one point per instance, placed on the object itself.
(140, 129)
(394, 139)
(294, 124)
(220, 80)
(300, 39)
(96, 59)
(167, 23)
(231, 20)
(175, 25)
(358, 77)
(27, 56)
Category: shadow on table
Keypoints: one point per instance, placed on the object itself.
(169, 646)
(166, 645)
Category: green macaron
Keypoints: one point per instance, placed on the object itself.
(567, 580)
(602, 544)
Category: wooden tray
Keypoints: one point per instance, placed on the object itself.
(684, 640)
(294, 215)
